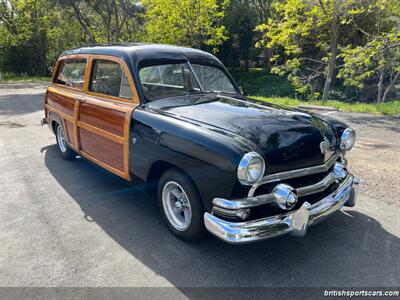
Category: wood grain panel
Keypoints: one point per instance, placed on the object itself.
(62, 102)
(103, 149)
(101, 132)
(70, 132)
(60, 113)
(107, 119)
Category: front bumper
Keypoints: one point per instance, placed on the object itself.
(294, 223)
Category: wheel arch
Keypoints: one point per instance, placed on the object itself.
(54, 119)
(157, 169)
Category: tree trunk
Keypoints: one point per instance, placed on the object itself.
(380, 85)
(267, 65)
(329, 76)
(391, 84)
(246, 64)
(82, 21)
(332, 60)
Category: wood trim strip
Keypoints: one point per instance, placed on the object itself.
(128, 116)
(105, 166)
(101, 132)
(65, 91)
(114, 105)
(76, 118)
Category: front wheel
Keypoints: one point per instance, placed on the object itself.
(66, 152)
(180, 205)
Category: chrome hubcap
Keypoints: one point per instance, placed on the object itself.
(62, 144)
(176, 206)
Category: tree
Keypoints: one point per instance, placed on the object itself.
(379, 58)
(240, 23)
(191, 23)
(107, 20)
(263, 10)
(310, 34)
(27, 35)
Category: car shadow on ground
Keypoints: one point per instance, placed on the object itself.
(348, 249)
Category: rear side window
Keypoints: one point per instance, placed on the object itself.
(108, 78)
(72, 73)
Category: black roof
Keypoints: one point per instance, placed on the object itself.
(138, 54)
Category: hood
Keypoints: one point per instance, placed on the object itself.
(288, 139)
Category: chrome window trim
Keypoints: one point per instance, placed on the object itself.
(294, 173)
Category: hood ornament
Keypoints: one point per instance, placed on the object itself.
(325, 146)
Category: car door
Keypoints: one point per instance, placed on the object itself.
(105, 114)
(66, 89)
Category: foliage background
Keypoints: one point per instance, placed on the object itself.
(346, 50)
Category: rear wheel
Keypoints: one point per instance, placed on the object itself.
(66, 152)
(180, 205)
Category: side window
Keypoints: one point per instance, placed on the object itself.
(108, 78)
(72, 73)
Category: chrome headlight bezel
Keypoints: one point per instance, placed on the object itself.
(251, 159)
(348, 139)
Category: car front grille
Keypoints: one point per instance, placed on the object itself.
(310, 188)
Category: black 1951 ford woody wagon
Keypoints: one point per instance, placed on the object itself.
(243, 169)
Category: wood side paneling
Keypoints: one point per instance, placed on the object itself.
(70, 132)
(104, 118)
(97, 125)
(62, 102)
(103, 149)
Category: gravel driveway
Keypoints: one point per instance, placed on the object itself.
(73, 224)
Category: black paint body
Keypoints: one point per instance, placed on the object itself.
(207, 140)
(207, 135)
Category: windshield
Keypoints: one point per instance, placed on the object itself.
(213, 79)
(161, 81)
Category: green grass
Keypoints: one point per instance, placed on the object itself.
(391, 108)
(277, 89)
(258, 83)
(23, 79)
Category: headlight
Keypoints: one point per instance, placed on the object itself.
(348, 139)
(251, 168)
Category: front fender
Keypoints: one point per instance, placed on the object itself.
(208, 157)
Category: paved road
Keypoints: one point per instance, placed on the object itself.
(72, 224)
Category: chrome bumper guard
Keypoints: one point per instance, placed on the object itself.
(294, 223)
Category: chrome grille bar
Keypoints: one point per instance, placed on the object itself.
(269, 198)
(294, 173)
